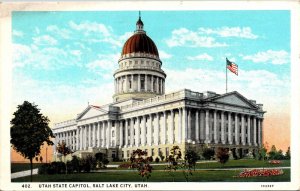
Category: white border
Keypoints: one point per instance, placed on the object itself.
(5, 77)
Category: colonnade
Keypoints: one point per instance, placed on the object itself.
(140, 83)
(173, 126)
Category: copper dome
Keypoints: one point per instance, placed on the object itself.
(140, 43)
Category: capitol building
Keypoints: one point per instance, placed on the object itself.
(143, 116)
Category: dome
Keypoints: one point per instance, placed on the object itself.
(140, 43)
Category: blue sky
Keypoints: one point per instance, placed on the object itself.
(66, 59)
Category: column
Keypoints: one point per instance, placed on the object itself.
(164, 128)
(77, 139)
(146, 83)
(222, 128)
(94, 134)
(132, 87)
(126, 133)
(157, 86)
(216, 138)
(139, 83)
(184, 127)
(197, 126)
(151, 85)
(137, 132)
(127, 83)
(161, 86)
(98, 134)
(259, 132)
(179, 130)
(171, 128)
(243, 131)
(236, 129)
(74, 139)
(156, 130)
(84, 137)
(143, 138)
(249, 130)
(254, 131)
(131, 132)
(121, 133)
(149, 135)
(104, 134)
(189, 125)
(81, 138)
(202, 125)
(108, 140)
(90, 135)
(54, 143)
(207, 137)
(116, 85)
(229, 128)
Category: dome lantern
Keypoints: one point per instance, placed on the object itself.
(139, 24)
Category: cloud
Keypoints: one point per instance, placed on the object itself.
(188, 38)
(261, 85)
(45, 58)
(104, 65)
(44, 40)
(244, 32)
(204, 56)
(164, 55)
(61, 32)
(18, 33)
(269, 56)
(91, 27)
(73, 97)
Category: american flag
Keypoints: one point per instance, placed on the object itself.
(232, 67)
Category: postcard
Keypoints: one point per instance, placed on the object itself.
(130, 95)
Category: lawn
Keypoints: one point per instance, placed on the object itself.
(156, 176)
(17, 167)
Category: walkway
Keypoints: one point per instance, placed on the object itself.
(24, 173)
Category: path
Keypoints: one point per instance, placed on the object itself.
(24, 173)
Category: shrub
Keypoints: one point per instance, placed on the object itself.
(75, 163)
(157, 160)
(208, 153)
(139, 161)
(191, 158)
(43, 169)
(222, 155)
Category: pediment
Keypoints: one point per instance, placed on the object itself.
(234, 98)
(91, 111)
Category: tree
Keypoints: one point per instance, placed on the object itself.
(208, 153)
(172, 159)
(191, 158)
(141, 162)
(29, 131)
(64, 150)
(288, 154)
(222, 155)
(273, 152)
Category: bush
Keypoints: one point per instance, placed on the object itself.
(157, 160)
(222, 155)
(75, 163)
(43, 169)
(208, 153)
(57, 168)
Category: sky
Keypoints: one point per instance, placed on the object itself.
(63, 60)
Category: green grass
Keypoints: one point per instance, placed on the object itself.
(17, 167)
(233, 164)
(156, 176)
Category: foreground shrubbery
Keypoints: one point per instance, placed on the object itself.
(76, 165)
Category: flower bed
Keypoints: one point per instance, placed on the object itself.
(274, 162)
(260, 172)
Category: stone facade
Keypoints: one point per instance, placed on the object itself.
(143, 116)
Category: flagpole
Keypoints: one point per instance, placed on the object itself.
(226, 73)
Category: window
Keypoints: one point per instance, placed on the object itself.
(152, 152)
(142, 84)
(130, 84)
(167, 152)
(146, 150)
(113, 133)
